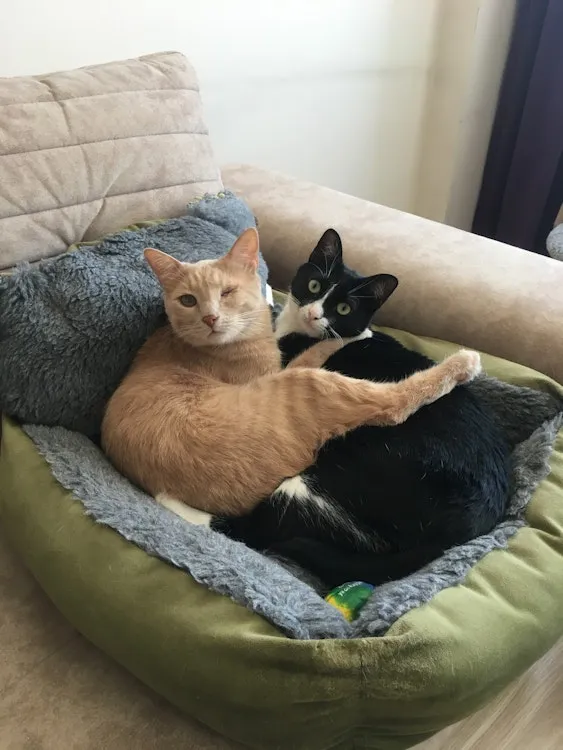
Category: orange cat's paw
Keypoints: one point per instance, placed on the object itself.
(465, 364)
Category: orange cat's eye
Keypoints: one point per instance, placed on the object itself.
(188, 300)
(227, 291)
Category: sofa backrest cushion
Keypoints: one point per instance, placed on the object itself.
(86, 152)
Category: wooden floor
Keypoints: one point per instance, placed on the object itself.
(528, 716)
(58, 692)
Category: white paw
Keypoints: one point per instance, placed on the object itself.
(189, 514)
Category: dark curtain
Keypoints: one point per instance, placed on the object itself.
(522, 187)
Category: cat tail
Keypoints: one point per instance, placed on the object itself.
(335, 566)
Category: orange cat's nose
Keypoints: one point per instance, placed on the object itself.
(209, 320)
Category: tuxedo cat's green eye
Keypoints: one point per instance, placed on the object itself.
(343, 308)
(314, 286)
(188, 300)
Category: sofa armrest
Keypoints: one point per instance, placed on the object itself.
(453, 285)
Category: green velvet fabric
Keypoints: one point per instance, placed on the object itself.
(235, 672)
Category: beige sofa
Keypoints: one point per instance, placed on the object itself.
(127, 142)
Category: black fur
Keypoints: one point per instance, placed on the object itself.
(409, 491)
(364, 295)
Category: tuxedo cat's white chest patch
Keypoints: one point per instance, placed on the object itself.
(367, 334)
(294, 488)
(316, 508)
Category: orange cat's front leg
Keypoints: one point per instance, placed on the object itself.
(426, 386)
(317, 354)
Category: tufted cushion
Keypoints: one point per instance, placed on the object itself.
(85, 152)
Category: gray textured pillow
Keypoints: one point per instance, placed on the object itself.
(69, 327)
(555, 242)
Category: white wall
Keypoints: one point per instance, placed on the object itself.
(336, 91)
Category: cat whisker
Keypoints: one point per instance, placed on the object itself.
(247, 316)
(326, 263)
(318, 269)
(190, 329)
(332, 266)
(334, 333)
(361, 285)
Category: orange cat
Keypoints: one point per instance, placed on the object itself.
(207, 416)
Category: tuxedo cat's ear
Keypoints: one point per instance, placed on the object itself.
(245, 251)
(166, 268)
(327, 255)
(382, 286)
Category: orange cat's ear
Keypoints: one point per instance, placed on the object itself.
(245, 250)
(166, 268)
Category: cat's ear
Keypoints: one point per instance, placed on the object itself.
(327, 255)
(382, 286)
(166, 268)
(245, 251)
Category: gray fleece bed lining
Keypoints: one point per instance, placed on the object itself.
(254, 580)
(70, 328)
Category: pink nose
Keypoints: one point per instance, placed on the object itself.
(313, 314)
(209, 320)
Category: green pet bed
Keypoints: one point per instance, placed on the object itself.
(236, 672)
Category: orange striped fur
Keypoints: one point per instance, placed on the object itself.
(207, 416)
